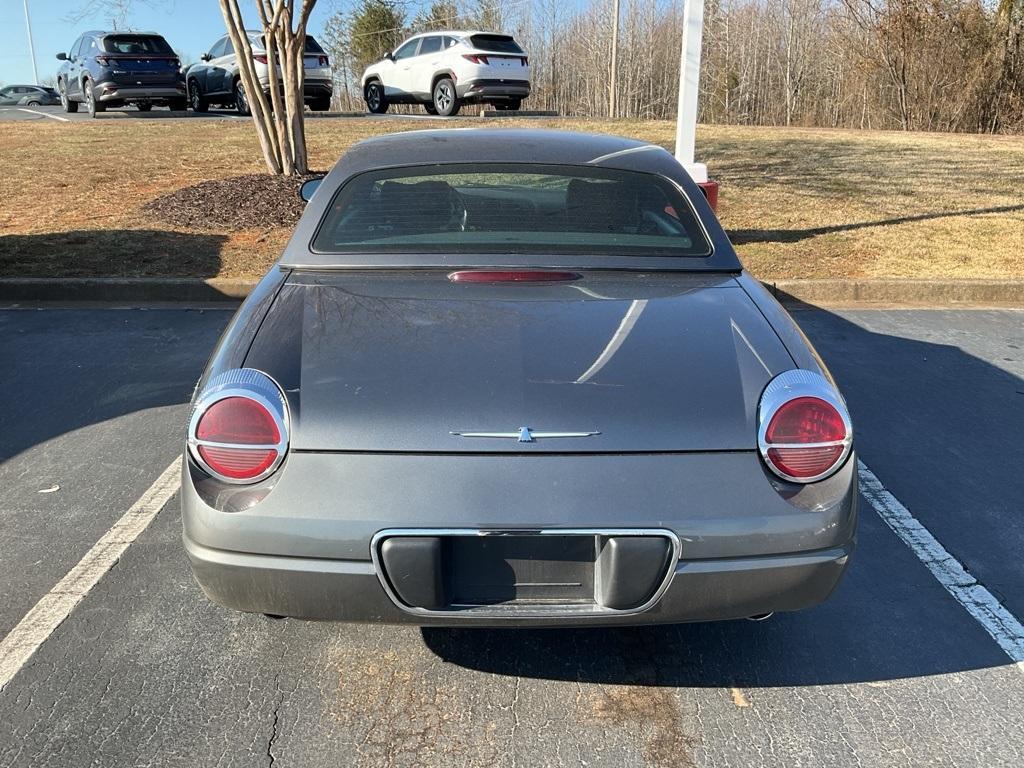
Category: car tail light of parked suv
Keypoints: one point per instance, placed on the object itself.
(804, 431)
(238, 432)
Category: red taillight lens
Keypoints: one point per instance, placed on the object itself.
(238, 463)
(805, 437)
(259, 57)
(476, 58)
(511, 276)
(102, 60)
(233, 423)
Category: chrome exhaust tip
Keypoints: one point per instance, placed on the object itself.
(761, 616)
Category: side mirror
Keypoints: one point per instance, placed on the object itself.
(62, 56)
(309, 188)
(389, 56)
(205, 57)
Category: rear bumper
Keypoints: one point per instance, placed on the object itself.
(112, 92)
(313, 88)
(349, 590)
(480, 90)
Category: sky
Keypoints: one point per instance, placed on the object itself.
(190, 26)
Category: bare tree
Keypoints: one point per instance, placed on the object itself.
(279, 117)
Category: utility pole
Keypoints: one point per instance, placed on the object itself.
(689, 83)
(613, 86)
(31, 45)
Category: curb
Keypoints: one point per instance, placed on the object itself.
(124, 289)
(923, 293)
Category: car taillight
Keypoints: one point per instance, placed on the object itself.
(102, 60)
(476, 58)
(239, 427)
(260, 58)
(511, 276)
(805, 432)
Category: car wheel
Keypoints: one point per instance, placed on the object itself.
(94, 107)
(241, 102)
(65, 101)
(143, 107)
(445, 101)
(376, 101)
(34, 104)
(196, 99)
(430, 108)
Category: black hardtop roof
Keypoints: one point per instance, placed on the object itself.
(498, 145)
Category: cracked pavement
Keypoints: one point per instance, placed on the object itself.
(890, 672)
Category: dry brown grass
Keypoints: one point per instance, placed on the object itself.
(797, 202)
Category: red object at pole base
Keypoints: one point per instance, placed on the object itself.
(710, 190)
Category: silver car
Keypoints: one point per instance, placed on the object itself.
(28, 96)
(520, 378)
(214, 80)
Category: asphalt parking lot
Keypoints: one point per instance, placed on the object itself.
(57, 114)
(892, 671)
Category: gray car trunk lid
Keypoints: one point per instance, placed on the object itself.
(399, 360)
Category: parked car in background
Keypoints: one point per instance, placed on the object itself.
(114, 69)
(444, 70)
(28, 96)
(215, 80)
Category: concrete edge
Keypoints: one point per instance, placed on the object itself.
(922, 293)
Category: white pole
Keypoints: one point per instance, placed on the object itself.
(31, 46)
(615, 61)
(689, 83)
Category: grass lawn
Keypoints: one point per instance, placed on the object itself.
(798, 203)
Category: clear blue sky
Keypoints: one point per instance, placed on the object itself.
(190, 26)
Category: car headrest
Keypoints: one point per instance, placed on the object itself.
(423, 206)
(601, 206)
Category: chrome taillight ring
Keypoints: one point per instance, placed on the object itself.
(788, 386)
(253, 385)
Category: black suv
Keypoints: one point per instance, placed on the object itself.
(112, 69)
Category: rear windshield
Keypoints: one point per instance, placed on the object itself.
(137, 44)
(511, 208)
(495, 43)
(312, 46)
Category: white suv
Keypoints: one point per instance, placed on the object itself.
(443, 70)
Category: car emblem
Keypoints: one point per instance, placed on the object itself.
(525, 435)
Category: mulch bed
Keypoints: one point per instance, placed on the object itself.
(256, 201)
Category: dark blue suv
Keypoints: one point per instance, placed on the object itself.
(112, 69)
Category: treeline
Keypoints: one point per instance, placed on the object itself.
(940, 65)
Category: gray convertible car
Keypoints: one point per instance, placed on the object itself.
(519, 378)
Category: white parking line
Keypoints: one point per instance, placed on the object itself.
(55, 606)
(44, 114)
(1002, 625)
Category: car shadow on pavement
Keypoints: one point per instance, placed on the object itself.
(940, 427)
(111, 253)
(747, 236)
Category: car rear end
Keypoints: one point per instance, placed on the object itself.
(492, 68)
(481, 435)
(318, 86)
(139, 69)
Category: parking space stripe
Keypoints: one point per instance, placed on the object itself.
(993, 616)
(44, 114)
(55, 606)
